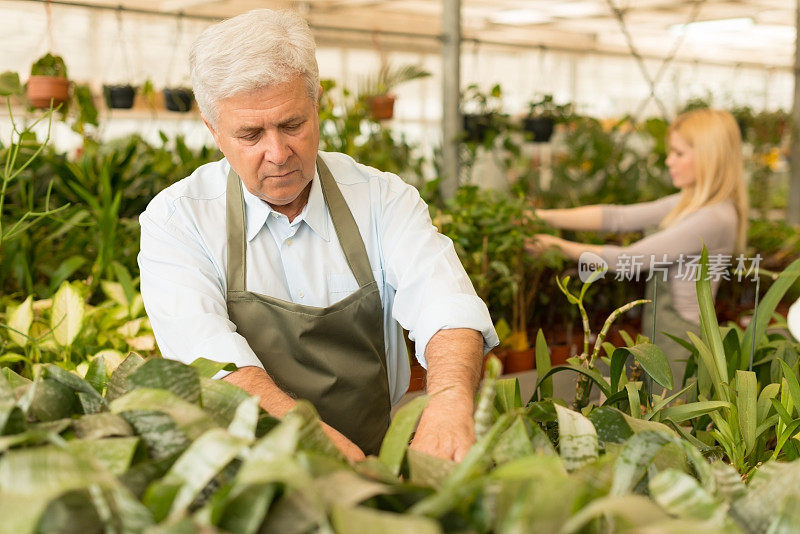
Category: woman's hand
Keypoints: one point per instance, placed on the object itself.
(537, 244)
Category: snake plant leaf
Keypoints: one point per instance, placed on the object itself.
(788, 520)
(169, 375)
(513, 443)
(53, 400)
(114, 454)
(346, 488)
(427, 470)
(610, 424)
(395, 443)
(577, 438)
(362, 520)
(312, 436)
(245, 420)
(101, 425)
(19, 322)
(747, 406)
(118, 383)
(637, 454)
(297, 513)
(727, 481)
(67, 314)
(770, 488)
(208, 368)
(120, 510)
(195, 468)
(634, 510)
(246, 512)
(77, 384)
(681, 495)
(191, 419)
(96, 375)
(221, 399)
(159, 432)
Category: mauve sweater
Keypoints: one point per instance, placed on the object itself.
(673, 249)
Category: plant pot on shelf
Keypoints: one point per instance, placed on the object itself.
(518, 361)
(381, 107)
(541, 128)
(119, 96)
(42, 89)
(178, 99)
(418, 375)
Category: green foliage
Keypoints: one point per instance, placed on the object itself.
(388, 77)
(49, 65)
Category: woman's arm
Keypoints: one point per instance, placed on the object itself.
(538, 243)
(581, 218)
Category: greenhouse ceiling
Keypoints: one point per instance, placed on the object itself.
(730, 31)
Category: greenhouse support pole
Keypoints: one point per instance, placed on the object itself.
(451, 86)
(793, 211)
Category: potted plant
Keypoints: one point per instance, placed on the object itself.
(48, 82)
(542, 117)
(119, 96)
(178, 99)
(483, 118)
(377, 90)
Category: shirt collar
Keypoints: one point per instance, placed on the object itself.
(315, 212)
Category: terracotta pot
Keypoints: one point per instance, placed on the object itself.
(418, 375)
(518, 361)
(42, 89)
(559, 354)
(381, 107)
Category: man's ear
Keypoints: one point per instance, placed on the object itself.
(212, 130)
(319, 94)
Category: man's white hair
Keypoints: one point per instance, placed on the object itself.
(256, 49)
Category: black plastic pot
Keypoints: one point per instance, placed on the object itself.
(540, 127)
(476, 126)
(119, 96)
(178, 99)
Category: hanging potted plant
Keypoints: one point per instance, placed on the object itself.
(48, 82)
(178, 99)
(119, 96)
(542, 117)
(376, 91)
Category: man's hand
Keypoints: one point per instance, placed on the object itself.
(446, 428)
(350, 450)
(277, 403)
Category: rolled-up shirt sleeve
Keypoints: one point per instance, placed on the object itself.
(433, 291)
(184, 295)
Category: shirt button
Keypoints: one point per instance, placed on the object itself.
(301, 294)
(288, 244)
(275, 214)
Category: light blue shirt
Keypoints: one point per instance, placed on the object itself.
(422, 284)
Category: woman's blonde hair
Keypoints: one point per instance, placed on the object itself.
(718, 167)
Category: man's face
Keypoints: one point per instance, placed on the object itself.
(270, 137)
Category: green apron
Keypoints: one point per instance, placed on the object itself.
(332, 356)
(668, 320)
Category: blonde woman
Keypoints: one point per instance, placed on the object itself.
(705, 163)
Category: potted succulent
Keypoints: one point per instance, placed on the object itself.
(377, 90)
(48, 82)
(178, 99)
(542, 117)
(119, 96)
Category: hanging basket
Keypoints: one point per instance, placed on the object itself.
(42, 89)
(381, 107)
(178, 99)
(119, 96)
(540, 127)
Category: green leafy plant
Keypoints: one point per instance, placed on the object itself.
(49, 65)
(390, 76)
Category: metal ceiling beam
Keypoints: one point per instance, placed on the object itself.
(793, 208)
(451, 96)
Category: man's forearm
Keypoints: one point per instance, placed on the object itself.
(256, 381)
(454, 362)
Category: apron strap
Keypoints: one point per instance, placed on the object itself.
(346, 228)
(237, 241)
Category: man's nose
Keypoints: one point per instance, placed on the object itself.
(277, 149)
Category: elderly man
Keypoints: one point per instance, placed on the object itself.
(302, 267)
